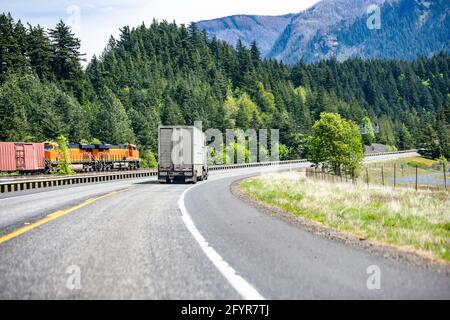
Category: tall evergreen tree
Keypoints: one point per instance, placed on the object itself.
(40, 52)
(112, 123)
(66, 55)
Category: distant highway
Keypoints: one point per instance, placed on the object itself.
(128, 239)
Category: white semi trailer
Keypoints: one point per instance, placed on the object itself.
(182, 154)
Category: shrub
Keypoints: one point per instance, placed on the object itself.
(148, 160)
(64, 156)
(417, 164)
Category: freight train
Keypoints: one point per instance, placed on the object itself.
(24, 157)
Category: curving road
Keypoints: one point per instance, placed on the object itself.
(129, 240)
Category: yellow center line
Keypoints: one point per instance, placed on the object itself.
(53, 216)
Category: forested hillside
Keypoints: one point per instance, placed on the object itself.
(164, 73)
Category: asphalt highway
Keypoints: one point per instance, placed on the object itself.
(136, 239)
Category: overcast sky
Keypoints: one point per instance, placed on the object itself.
(94, 21)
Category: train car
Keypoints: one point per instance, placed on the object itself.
(44, 157)
(23, 157)
(81, 156)
(116, 157)
(99, 157)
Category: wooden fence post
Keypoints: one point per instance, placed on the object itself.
(445, 176)
(417, 168)
(367, 176)
(395, 173)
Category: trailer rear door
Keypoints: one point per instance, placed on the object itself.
(165, 148)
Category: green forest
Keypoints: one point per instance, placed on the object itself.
(168, 74)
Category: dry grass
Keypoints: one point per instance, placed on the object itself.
(425, 161)
(404, 168)
(400, 217)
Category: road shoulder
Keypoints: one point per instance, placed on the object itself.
(387, 251)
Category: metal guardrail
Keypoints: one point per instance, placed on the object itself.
(388, 153)
(255, 164)
(272, 163)
(53, 181)
(27, 183)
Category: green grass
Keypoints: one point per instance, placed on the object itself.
(401, 217)
(15, 173)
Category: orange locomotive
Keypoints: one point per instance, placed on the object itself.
(98, 157)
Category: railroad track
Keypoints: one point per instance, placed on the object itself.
(20, 183)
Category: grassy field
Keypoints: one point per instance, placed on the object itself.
(418, 221)
(401, 168)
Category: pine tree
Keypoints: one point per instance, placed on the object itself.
(11, 51)
(66, 56)
(405, 140)
(40, 52)
(113, 125)
(255, 54)
(13, 120)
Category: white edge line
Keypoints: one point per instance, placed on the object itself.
(244, 288)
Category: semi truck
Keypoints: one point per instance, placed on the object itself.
(182, 154)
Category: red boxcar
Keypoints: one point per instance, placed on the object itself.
(21, 156)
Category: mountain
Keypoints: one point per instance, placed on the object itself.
(338, 28)
(408, 29)
(263, 29)
(320, 21)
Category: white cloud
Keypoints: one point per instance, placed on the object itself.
(100, 19)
